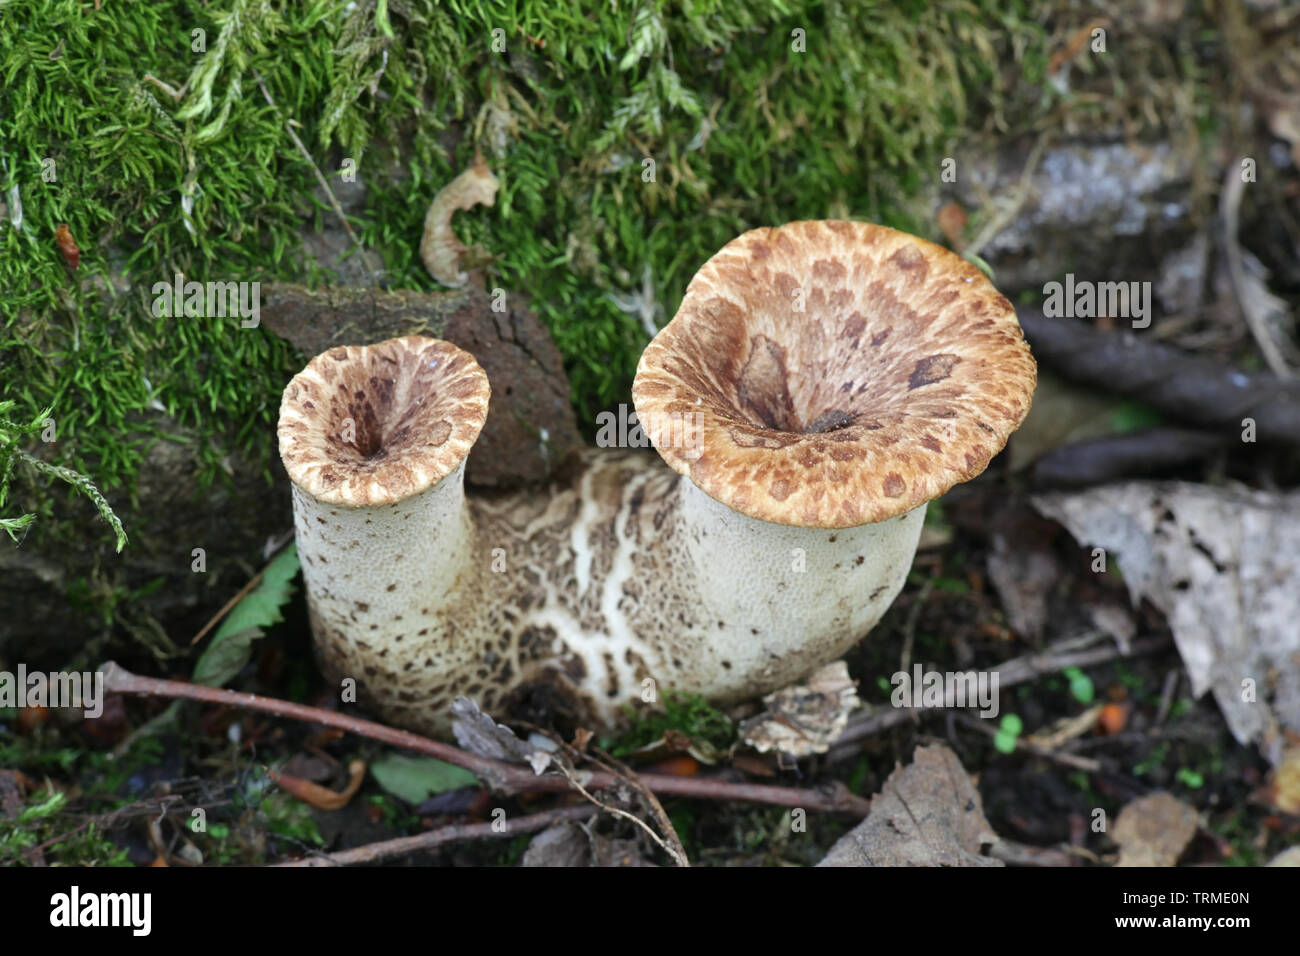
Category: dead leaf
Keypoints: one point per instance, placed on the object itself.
(1290, 857)
(1283, 788)
(14, 784)
(571, 845)
(1267, 316)
(67, 246)
(1023, 570)
(672, 743)
(1112, 718)
(806, 718)
(478, 733)
(1154, 830)
(927, 814)
(680, 766)
(1223, 565)
(1283, 114)
(952, 223)
(1077, 41)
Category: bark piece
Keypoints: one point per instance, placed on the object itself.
(530, 429)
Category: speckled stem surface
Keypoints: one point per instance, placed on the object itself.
(609, 591)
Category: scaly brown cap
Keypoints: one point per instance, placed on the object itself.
(836, 374)
(373, 424)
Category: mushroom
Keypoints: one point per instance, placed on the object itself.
(820, 383)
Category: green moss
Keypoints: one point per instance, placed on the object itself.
(688, 714)
(742, 130)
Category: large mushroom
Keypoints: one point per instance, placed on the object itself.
(819, 384)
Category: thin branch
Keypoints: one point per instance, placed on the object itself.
(656, 808)
(435, 838)
(497, 775)
(1016, 671)
(1074, 762)
(371, 272)
(627, 775)
(678, 858)
(226, 608)
(913, 618)
(1020, 192)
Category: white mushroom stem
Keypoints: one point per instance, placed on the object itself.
(351, 557)
(811, 592)
(626, 584)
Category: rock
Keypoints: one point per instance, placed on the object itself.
(530, 428)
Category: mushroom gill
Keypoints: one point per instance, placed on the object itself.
(819, 384)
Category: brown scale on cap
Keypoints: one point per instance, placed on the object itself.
(903, 375)
(372, 425)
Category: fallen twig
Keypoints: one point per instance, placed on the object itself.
(1189, 387)
(1012, 672)
(1018, 854)
(1003, 217)
(372, 852)
(371, 272)
(679, 856)
(497, 775)
(1074, 762)
(1142, 453)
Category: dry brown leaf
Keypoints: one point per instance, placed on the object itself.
(1077, 41)
(571, 844)
(1154, 830)
(927, 814)
(1223, 565)
(1283, 788)
(439, 247)
(323, 798)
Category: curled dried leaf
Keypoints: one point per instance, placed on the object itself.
(440, 250)
(323, 798)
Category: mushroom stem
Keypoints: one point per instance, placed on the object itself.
(376, 576)
(785, 599)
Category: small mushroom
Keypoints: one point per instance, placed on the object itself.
(819, 384)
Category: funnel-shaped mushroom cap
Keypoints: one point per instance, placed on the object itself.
(836, 374)
(373, 424)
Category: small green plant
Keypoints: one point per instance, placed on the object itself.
(1008, 732)
(689, 714)
(1152, 760)
(232, 645)
(44, 824)
(11, 434)
(1080, 685)
(1189, 778)
(290, 818)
